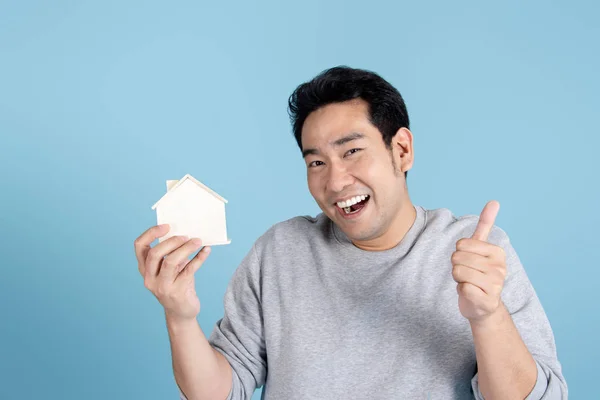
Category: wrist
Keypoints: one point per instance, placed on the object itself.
(491, 322)
(177, 323)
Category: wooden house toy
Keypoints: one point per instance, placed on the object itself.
(194, 210)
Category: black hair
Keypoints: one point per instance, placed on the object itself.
(386, 108)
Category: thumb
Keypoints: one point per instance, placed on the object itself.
(486, 220)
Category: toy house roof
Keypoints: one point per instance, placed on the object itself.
(197, 182)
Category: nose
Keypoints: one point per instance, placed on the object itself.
(338, 178)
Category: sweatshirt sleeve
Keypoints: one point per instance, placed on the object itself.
(531, 321)
(239, 335)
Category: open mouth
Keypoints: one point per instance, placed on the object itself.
(353, 205)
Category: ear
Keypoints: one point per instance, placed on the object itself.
(402, 149)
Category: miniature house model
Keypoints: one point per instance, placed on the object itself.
(194, 210)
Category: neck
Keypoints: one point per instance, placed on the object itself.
(394, 234)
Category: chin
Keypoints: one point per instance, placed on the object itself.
(363, 237)
(358, 234)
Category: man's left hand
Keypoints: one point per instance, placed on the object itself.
(479, 268)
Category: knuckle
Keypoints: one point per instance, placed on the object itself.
(455, 258)
(179, 239)
(169, 262)
(476, 293)
(179, 267)
(172, 263)
(153, 254)
(456, 272)
(466, 290)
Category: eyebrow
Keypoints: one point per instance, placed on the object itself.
(336, 143)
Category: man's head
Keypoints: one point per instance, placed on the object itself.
(353, 130)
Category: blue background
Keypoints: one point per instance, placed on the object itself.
(101, 102)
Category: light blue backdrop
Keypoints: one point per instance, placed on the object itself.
(100, 103)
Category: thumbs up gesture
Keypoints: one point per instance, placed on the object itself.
(479, 268)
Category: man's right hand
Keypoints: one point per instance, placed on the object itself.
(168, 273)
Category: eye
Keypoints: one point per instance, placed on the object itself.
(315, 163)
(351, 151)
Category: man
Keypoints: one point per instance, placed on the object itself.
(374, 298)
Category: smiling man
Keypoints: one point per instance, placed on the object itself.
(354, 173)
(374, 298)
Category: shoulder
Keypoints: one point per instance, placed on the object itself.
(301, 228)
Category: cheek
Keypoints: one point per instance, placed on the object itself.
(370, 171)
(314, 185)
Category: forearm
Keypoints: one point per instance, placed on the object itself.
(506, 368)
(200, 371)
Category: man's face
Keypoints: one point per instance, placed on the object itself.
(354, 178)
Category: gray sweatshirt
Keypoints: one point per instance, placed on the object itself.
(310, 316)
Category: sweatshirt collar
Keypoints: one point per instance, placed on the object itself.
(400, 250)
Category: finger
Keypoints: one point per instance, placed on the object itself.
(464, 274)
(171, 263)
(469, 290)
(194, 265)
(158, 252)
(471, 260)
(142, 243)
(486, 220)
(469, 245)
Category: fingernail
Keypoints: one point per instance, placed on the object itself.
(197, 242)
(206, 250)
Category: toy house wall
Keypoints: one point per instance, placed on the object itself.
(193, 211)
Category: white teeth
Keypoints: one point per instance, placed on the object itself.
(351, 201)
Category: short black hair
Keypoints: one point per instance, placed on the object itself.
(386, 107)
